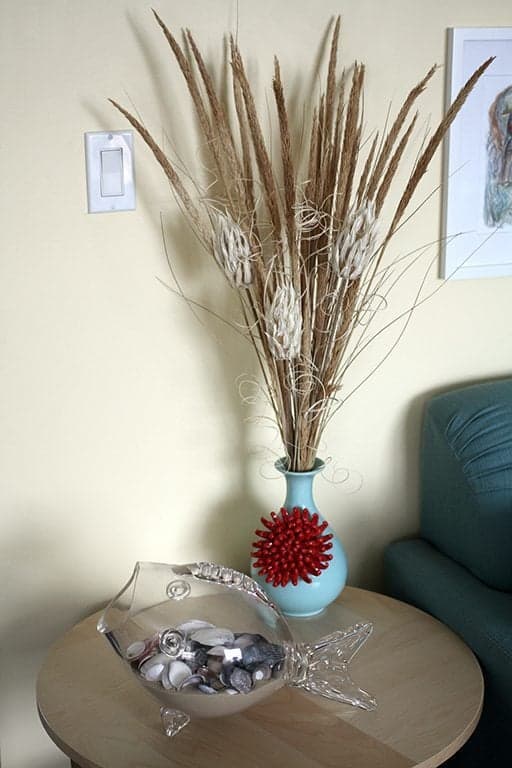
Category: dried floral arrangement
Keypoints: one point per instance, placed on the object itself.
(301, 243)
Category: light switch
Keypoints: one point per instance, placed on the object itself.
(110, 171)
(111, 182)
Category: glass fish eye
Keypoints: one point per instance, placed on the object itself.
(171, 642)
(178, 589)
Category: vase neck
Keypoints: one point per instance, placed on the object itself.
(299, 490)
(299, 486)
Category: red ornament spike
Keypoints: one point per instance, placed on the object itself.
(292, 547)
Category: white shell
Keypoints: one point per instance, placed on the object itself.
(135, 649)
(158, 658)
(152, 669)
(213, 636)
(217, 650)
(206, 689)
(193, 625)
(178, 673)
(193, 680)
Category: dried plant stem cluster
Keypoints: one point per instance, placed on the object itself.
(303, 249)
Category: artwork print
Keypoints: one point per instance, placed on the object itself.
(498, 189)
(477, 186)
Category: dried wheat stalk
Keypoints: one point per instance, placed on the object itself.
(302, 252)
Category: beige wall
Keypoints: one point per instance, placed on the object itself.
(121, 430)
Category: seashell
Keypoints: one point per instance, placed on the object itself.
(159, 658)
(245, 639)
(153, 668)
(193, 666)
(262, 653)
(241, 680)
(192, 681)
(178, 672)
(206, 689)
(225, 675)
(154, 673)
(217, 650)
(213, 636)
(195, 655)
(216, 683)
(135, 650)
(153, 644)
(263, 672)
(192, 625)
(139, 663)
(214, 666)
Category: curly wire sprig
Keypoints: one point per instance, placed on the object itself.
(350, 481)
(309, 220)
(298, 241)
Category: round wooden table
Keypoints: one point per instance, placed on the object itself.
(428, 686)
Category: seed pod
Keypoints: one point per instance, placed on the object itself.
(231, 250)
(284, 323)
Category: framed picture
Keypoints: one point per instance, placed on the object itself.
(477, 211)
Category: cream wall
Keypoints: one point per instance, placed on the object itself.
(121, 429)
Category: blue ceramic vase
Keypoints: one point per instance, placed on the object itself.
(305, 599)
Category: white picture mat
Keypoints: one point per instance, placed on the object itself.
(481, 251)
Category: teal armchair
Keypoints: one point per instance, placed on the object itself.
(459, 569)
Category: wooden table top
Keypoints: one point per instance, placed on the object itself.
(428, 686)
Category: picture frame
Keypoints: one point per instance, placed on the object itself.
(477, 184)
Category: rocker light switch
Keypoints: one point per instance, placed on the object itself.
(111, 182)
(110, 173)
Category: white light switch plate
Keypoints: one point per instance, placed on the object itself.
(110, 171)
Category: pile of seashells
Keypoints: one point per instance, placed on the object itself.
(198, 657)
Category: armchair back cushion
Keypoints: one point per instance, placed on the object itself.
(466, 494)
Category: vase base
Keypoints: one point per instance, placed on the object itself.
(301, 615)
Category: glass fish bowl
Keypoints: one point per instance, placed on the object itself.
(207, 641)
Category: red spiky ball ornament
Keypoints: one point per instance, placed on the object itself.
(292, 547)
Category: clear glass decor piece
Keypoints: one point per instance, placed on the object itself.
(324, 666)
(173, 720)
(207, 641)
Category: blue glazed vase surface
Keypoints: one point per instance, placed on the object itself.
(306, 599)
